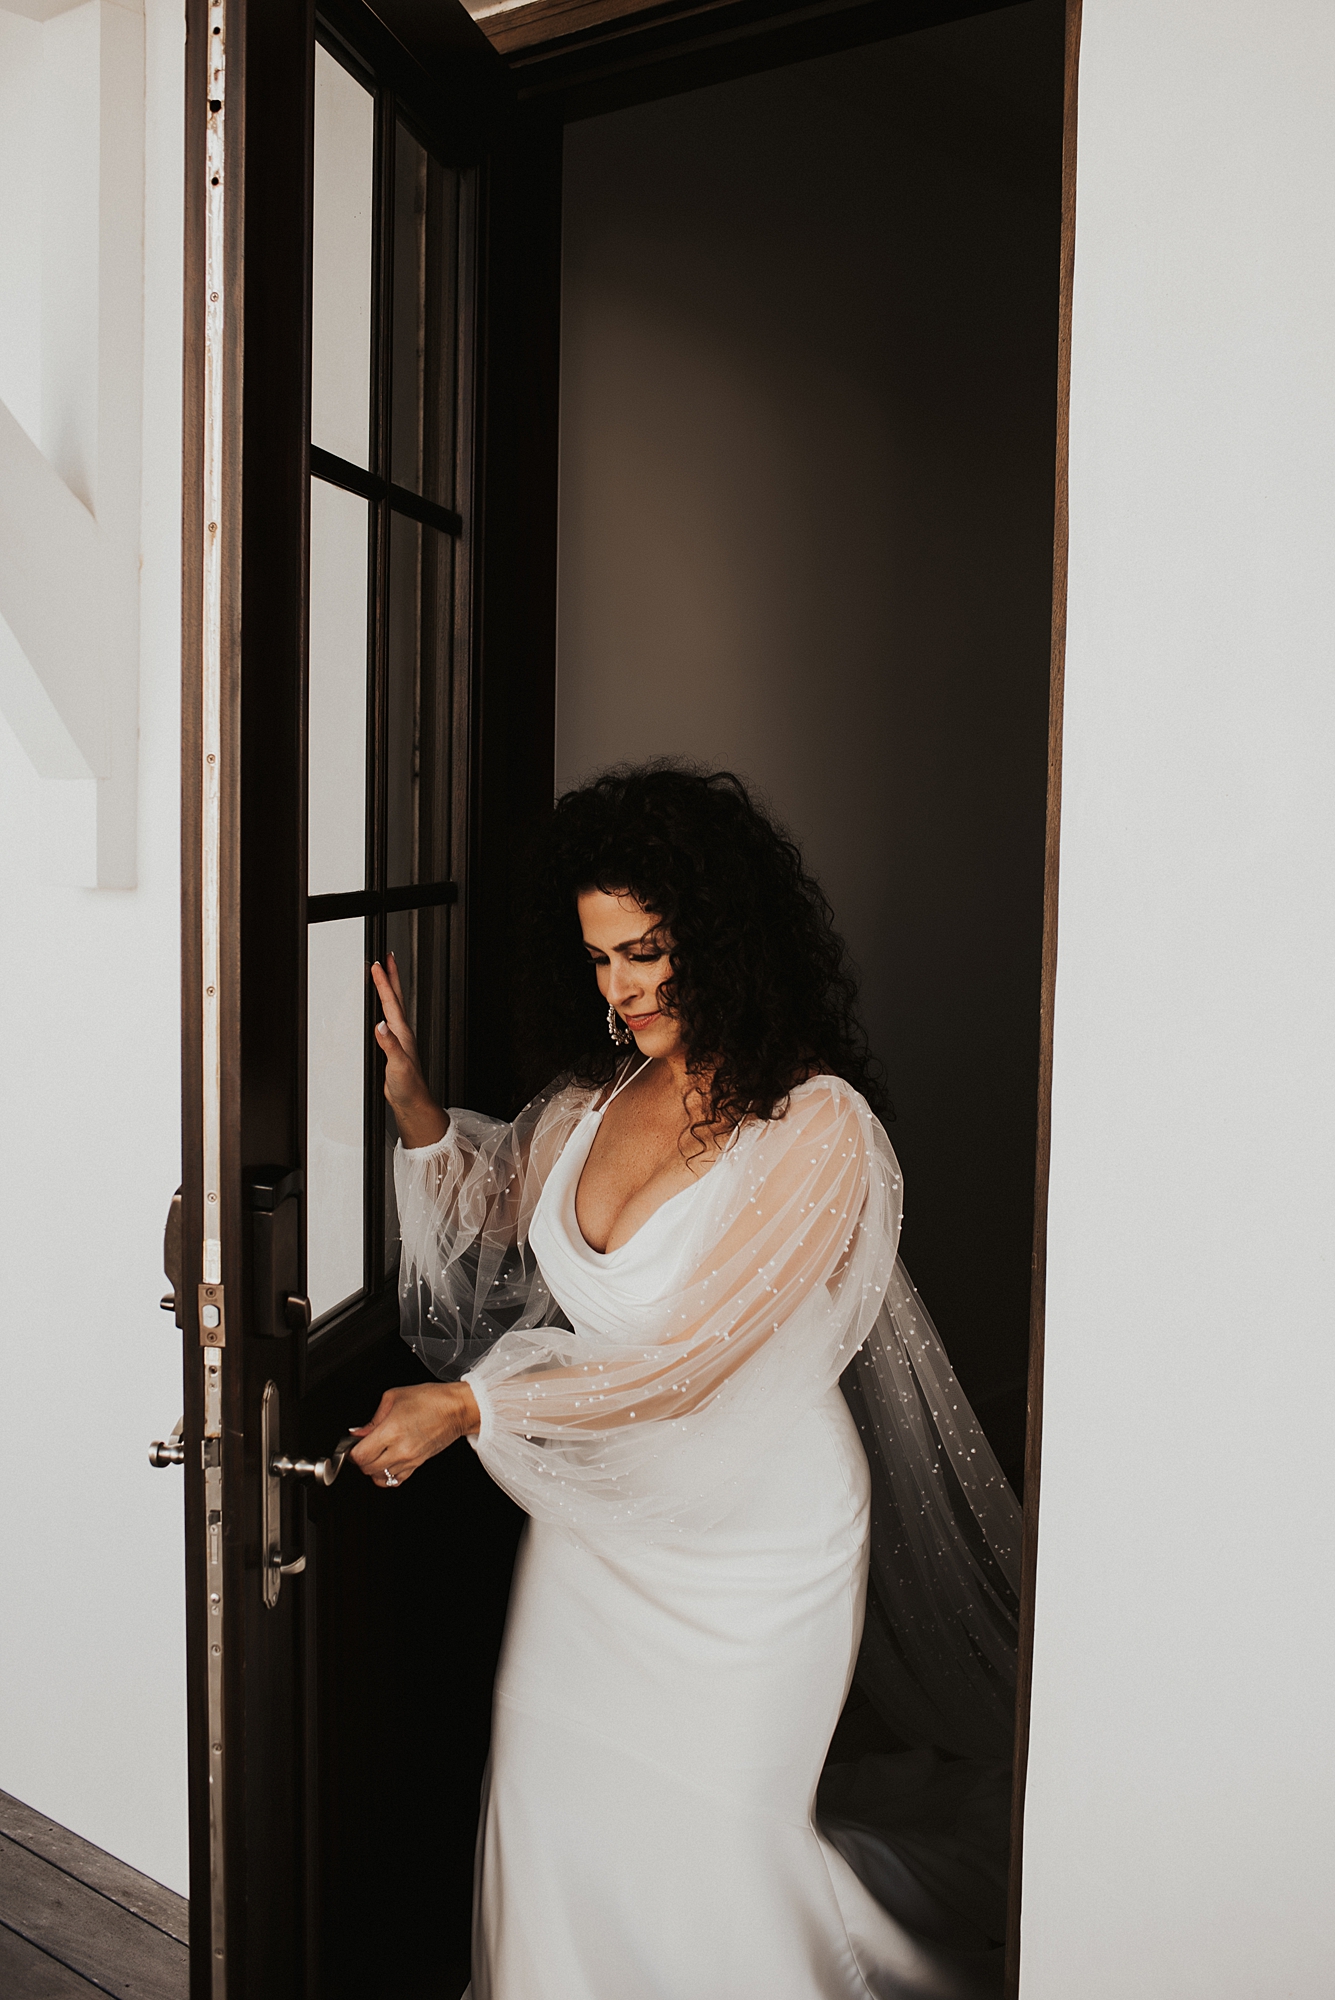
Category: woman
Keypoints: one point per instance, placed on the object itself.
(655, 1278)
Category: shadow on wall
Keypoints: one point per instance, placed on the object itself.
(808, 409)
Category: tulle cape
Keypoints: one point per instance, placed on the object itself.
(650, 1423)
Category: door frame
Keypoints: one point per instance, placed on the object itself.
(602, 54)
(1033, 1432)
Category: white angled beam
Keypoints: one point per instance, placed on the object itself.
(70, 498)
(53, 600)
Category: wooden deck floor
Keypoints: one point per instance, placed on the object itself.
(75, 1921)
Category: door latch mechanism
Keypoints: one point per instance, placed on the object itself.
(324, 1471)
(169, 1451)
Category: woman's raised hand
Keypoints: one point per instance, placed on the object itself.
(419, 1118)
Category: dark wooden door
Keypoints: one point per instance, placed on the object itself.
(371, 290)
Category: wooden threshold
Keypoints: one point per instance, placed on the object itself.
(75, 1921)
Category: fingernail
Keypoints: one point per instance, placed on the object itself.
(382, 1027)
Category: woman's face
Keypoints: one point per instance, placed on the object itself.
(631, 962)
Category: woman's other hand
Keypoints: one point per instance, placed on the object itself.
(419, 1118)
(411, 1426)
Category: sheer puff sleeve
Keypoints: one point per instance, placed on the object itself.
(466, 1273)
(654, 1427)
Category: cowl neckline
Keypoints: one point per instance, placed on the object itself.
(570, 1170)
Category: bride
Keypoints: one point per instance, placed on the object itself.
(651, 1285)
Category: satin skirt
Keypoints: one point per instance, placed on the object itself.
(661, 1720)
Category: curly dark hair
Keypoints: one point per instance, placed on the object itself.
(761, 981)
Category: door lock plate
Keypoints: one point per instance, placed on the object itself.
(212, 1316)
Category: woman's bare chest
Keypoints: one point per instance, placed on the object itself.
(635, 1164)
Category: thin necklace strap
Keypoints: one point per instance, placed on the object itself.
(628, 1077)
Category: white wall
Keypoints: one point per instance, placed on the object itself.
(92, 1695)
(1182, 1797)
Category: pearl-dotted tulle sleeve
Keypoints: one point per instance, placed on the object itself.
(466, 1273)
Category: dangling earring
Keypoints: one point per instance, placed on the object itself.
(617, 1028)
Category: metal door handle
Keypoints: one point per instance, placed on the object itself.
(169, 1451)
(172, 1264)
(277, 1467)
(324, 1471)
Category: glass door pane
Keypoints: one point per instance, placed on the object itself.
(335, 1111)
(341, 261)
(337, 700)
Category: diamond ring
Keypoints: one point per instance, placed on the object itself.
(390, 1480)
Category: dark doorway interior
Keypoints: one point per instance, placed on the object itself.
(808, 424)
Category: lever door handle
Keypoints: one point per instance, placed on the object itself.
(276, 1467)
(170, 1451)
(172, 1266)
(324, 1471)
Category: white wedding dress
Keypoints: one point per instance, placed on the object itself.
(688, 1601)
